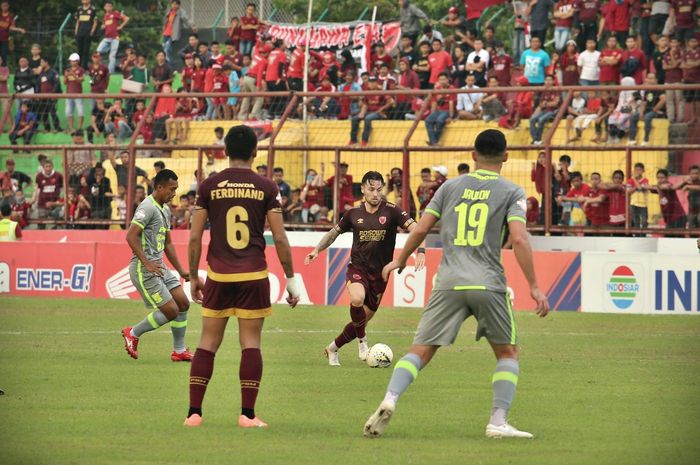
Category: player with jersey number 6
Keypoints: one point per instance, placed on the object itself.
(475, 210)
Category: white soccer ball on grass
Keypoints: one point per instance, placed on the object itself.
(380, 356)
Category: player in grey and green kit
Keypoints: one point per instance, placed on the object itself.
(149, 237)
(475, 211)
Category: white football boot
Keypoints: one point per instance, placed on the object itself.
(506, 431)
(332, 356)
(362, 349)
(379, 419)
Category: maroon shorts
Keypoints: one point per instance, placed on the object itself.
(374, 286)
(242, 299)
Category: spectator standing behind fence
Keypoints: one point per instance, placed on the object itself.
(112, 23)
(564, 18)
(85, 25)
(588, 63)
(254, 81)
(16, 180)
(80, 160)
(162, 72)
(73, 78)
(538, 12)
(278, 177)
(550, 100)
(25, 81)
(25, 125)
(672, 61)
(346, 199)
(439, 62)
(410, 16)
(100, 196)
(596, 204)
(7, 24)
(35, 63)
(610, 58)
(49, 83)
(587, 11)
(174, 22)
(312, 196)
(691, 185)
(49, 184)
(638, 189)
(691, 75)
(671, 208)
(99, 77)
(249, 29)
(122, 169)
(535, 61)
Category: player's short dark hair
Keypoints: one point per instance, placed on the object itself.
(576, 174)
(490, 143)
(159, 164)
(372, 176)
(463, 167)
(425, 170)
(218, 129)
(163, 177)
(596, 173)
(658, 172)
(616, 172)
(278, 170)
(5, 209)
(241, 142)
(565, 158)
(639, 165)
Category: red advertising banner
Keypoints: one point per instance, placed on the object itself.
(338, 35)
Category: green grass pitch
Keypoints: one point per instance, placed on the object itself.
(594, 389)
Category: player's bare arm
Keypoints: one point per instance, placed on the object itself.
(322, 245)
(284, 253)
(523, 254)
(420, 255)
(133, 238)
(415, 238)
(172, 257)
(194, 252)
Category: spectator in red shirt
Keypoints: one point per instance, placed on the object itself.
(128, 62)
(99, 77)
(254, 81)
(616, 20)
(596, 203)
(633, 62)
(537, 174)
(426, 189)
(673, 60)
(48, 83)
(408, 80)
(380, 57)
(73, 79)
(568, 63)
(249, 29)
(588, 21)
(502, 66)
(188, 72)
(7, 24)
(313, 208)
(691, 75)
(112, 23)
(617, 199)
(276, 77)
(373, 107)
(564, 17)
(577, 195)
(520, 106)
(671, 209)
(21, 209)
(546, 110)
(234, 33)
(440, 62)
(198, 75)
(442, 110)
(610, 58)
(346, 199)
(232, 57)
(681, 18)
(48, 190)
(295, 71)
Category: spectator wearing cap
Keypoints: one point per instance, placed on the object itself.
(538, 12)
(249, 29)
(456, 24)
(254, 81)
(25, 125)
(564, 18)
(49, 83)
(409, 81)
(442, 110)
(112, 22)
(502, 65)
(73, 77)
(440, 178)
(174, 22)
(162, 72)
(535, 61)
(411, 16)
(478, 62)
(373, 107)
(99, 77)
(7, 24)
(440, 62)
(85, 25)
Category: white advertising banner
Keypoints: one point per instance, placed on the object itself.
(643, 283)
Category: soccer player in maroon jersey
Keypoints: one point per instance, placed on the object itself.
(236, 201)
(373, 224)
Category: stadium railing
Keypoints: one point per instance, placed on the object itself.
(405, 150)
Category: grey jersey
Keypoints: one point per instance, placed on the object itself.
(154, 219)
(474, 211)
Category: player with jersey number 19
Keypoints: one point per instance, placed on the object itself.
(373, 223)
(149, 237)
(475, 212)
(236, 201)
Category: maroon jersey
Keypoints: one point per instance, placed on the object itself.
(249, 34)
(617, 206)
(49, 187)
(99, 78)
(72, 78)
(671, 207)
(502, 65)
(237, 200)
(597, 213)
(373, 235)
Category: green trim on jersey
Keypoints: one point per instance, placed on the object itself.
(484, 175)
(505, 376)
(512, 319)
(482, 170)
(469, 288)
(139, 224)
(155, 202)
(433, 212)
(139, 272)
(408, 366)
(517, 218)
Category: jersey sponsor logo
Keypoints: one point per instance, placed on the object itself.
(622, 287)
(140, 214)
(382, 219)
(360, 221)
(522, 203)
(51, 279)
(372, 235)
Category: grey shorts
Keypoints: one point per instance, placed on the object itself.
(447, 310)
(154, 289)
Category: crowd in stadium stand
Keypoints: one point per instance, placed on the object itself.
(623, 42)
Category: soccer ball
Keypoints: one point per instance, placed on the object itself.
(380, 356)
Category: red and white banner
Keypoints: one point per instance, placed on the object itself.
(338, 35)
